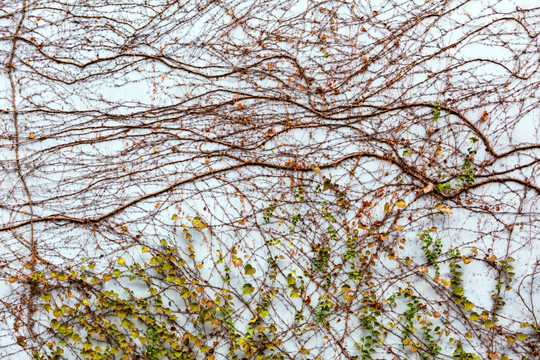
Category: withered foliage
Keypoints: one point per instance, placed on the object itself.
(375, 162)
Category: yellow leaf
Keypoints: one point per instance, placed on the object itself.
(198, 223)
(400, 203)
(444, 208)
(31, 136)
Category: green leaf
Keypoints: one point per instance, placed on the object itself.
(400, 203)
(295, 293)
(474, 316)
(58, 312)
(247, 289)
(468, 305)
(185, 292)
(199, 224)
(117, 272)
(76, 337)
(62, 276)
(291, 280)
(249, 270)
(522, 336)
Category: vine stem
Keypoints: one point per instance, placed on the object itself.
(33, 243)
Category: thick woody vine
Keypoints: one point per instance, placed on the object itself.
(230, 180)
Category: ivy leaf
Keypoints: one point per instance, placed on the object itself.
(58, 312)
(400, 203)
(174, 217)
(46, 297)
(468, 305)
(249, 270)
(474, 316)
(291, 280)
(510, 340)
(76, 337)
(247, 289)
(444, 208)
(295, 293)
(522, 336)
(428, 188)
(199, 224)
(237, 262)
